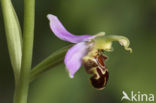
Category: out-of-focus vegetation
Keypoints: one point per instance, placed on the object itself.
(135, 19)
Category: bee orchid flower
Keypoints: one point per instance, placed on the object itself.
(88, 50)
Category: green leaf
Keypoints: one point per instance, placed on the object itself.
(13, 35)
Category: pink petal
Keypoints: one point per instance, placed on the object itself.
(73, 58)
(60, 31)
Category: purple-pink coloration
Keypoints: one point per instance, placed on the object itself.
(60, 31)
(74, 55)
(73, 58)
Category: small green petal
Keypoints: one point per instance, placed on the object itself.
(105, 42)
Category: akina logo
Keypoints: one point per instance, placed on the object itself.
(137, 96)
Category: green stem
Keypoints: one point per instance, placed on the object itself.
(23, 86)
(48, 63)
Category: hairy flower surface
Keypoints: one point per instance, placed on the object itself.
(88, 50)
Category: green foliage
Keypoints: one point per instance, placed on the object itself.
(13, 35)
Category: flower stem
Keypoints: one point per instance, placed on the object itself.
(21, 93)
(49, 62)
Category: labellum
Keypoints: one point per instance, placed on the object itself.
(94, 64)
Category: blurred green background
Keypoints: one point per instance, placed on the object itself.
(135, 19)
